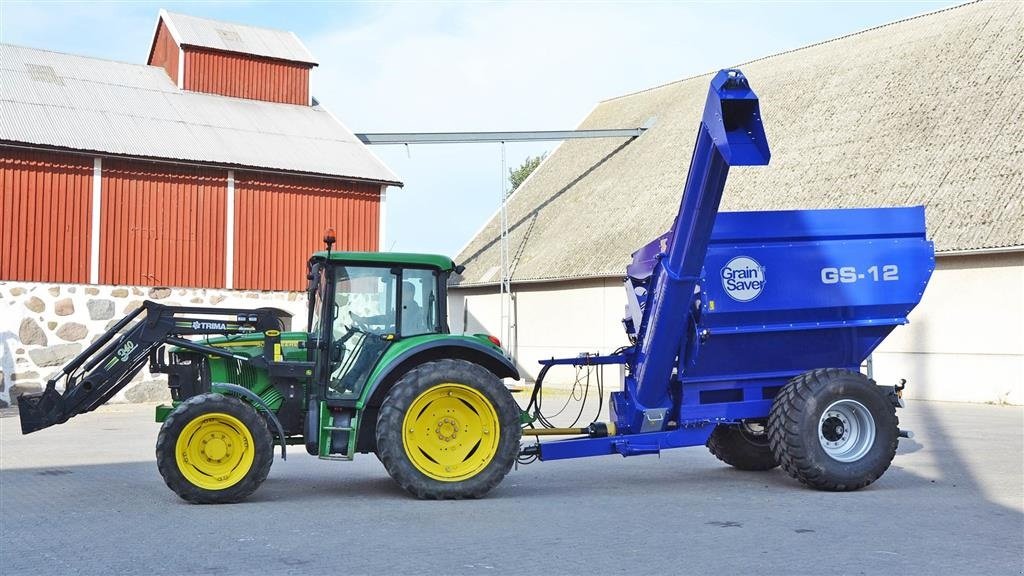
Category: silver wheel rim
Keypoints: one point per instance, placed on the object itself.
(846, 430)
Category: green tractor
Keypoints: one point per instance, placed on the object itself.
(377, 371)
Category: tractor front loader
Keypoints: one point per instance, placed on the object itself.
(747, 332)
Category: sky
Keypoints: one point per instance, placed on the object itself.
(436, 66)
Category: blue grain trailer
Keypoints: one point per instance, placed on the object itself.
(748, 329)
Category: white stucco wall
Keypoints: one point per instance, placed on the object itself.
(964, 343)
(551, 320)
(43, 326)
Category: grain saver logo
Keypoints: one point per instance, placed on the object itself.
(743, 278)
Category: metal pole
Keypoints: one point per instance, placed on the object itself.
(506, 288)
(480, 137)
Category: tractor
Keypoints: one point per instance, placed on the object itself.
(746, 334)
(376, 371)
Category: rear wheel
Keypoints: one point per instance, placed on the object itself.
(833, 429)
(448, 429)
(744, 446)
(214, 449)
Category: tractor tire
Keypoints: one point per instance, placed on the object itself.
(448, 430)
(214, 449)
(833, 429)
(741, 448)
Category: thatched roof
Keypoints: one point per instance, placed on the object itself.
(928, 111)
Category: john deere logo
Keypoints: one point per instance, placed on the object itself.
(743, 278)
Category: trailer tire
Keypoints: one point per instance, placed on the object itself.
(741, 448)
(833, 429)
(436, 431)
(229, 435)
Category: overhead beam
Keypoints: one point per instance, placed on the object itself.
(479, 137)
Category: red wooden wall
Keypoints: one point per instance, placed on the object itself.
(166, 225)
(162, 225)
(45, 208)
(165, 52)
(245, 76)
(280, 220)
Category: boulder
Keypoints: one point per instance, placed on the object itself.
(72, 332)
(64, 307)
(100, 309)
(148, 391)
(159, 293)
(57, 355)
(119, 292)
(35, 304)
(54, 290)
(17, 291)
(92, 291)
(31, 334)
(22, 376)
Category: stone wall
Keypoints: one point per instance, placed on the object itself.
(43, 326)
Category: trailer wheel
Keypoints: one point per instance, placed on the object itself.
(214, 449)
(448, 430)
(744, 446)
(833, 429)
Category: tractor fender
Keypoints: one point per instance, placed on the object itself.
(460, 347)
(257, 403)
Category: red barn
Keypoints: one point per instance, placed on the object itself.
(210, 167)
(205, 176)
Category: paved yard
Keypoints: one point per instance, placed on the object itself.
(85, 498)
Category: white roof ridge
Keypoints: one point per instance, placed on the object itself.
(260, 41)
(169, 13)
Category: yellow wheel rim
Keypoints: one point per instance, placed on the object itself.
(214, 451)
(450, 432)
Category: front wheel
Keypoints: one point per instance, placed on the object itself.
(833, 429)
(214, 449)
(447, 430)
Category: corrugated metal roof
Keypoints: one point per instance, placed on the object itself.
(923, 111)
(55, 99)
(217, 35)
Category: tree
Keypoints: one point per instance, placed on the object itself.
(519, 175)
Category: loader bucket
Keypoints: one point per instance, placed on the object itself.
(37, 410)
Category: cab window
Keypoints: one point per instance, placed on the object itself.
(419, 302)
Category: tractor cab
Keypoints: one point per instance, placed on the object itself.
(360, 303)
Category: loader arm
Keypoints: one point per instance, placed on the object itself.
(108, 364)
